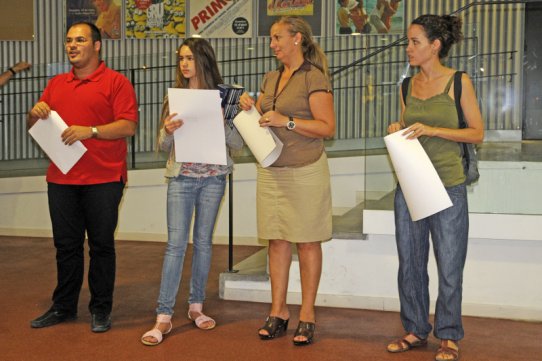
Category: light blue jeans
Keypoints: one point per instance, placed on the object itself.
(449, 232)
(186, 195)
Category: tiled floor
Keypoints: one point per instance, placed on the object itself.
(27, 274)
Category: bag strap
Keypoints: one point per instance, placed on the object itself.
(404, 88)
(457, 98)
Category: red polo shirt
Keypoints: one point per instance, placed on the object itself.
(102, 98)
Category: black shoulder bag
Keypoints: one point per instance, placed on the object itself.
(468, 151)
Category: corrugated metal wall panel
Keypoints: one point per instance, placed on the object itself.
(366, 96)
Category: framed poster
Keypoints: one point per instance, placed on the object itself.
(105, 14)
(155, 19)
(369, 17)
(221, 19)
(269, 10)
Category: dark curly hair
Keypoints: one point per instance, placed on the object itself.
(445, 28)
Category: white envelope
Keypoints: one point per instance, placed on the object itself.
(46, 132)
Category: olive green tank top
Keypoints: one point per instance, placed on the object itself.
(437, 111)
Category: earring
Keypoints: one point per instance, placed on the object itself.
(295, 42)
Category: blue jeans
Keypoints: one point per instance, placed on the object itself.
(184, 196)
(449, 233)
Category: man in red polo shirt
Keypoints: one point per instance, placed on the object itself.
(100, 108)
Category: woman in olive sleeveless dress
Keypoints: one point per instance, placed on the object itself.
(429, 114)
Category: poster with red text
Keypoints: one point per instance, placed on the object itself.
(221, 18)
(155, 19)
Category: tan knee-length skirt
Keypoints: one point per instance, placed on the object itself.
(294, 204)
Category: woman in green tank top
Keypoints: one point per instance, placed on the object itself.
(429, 114)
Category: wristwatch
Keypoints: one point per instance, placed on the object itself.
(291, 124)
(94, 132)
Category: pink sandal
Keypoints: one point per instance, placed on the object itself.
(201, 319)
(155, 332)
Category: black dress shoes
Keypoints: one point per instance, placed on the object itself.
(100, 322)
(52, 317)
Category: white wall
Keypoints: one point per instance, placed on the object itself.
(504, 261)
(142, 214)
(503, 264)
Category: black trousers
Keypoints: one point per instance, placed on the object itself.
(75, 209)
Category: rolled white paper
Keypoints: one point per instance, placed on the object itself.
(422, 187)
(262, 142)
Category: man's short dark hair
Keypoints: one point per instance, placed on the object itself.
(94, 31)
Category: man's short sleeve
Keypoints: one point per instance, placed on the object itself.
(125, 101)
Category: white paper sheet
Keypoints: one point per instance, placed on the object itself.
(263, 143)
(424, 192)
(46, 132)
(201, 139)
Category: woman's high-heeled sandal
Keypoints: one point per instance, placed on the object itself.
(304, 329)
(275, 327)
(155, 332)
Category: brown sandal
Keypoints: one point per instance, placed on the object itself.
(448, 351)
(403, 344)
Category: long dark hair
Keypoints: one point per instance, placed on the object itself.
(446, 28)
(207, 71)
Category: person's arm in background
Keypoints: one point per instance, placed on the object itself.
(10, 73)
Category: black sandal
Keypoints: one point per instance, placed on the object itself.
(275, 327)
(305, 329)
